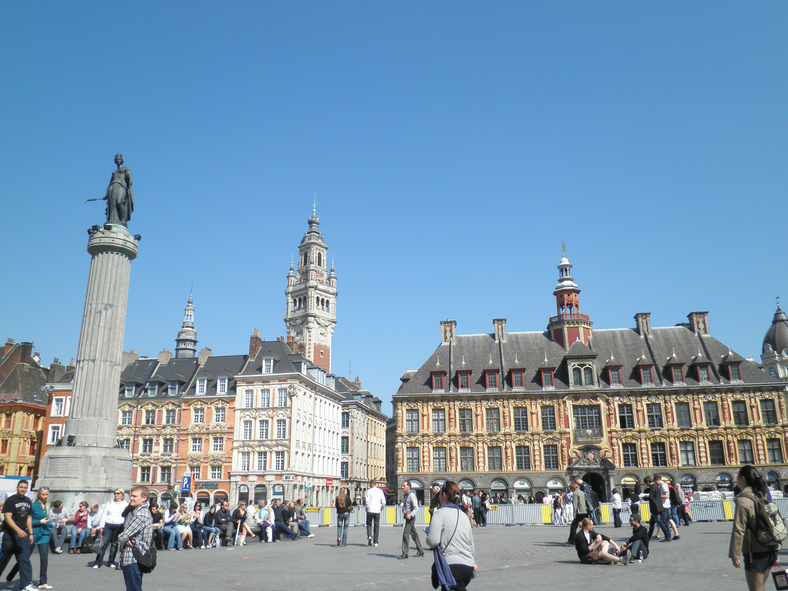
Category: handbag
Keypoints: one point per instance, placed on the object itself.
(86, 544)
(146, 561)
(780, 577)
(99, 544)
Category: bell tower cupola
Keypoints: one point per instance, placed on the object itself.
(569, 324)
(186, 342)
(311, 298)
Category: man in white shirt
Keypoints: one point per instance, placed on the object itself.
(374, 501)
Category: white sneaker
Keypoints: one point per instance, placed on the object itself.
(376, 545)
(30, 587)
(311, 536)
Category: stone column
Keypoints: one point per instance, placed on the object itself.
(87, 464)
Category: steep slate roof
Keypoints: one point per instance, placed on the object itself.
(282, 355)
(26, 384)
(534, 351)
(777, 335)
(226, 366)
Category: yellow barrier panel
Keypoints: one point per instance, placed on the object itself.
(391, 515)
(547, 514)
(427, 516)
(645, 514)
(327, 516)
(606, 516)
(726, 506)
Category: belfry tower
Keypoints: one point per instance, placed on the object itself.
(186, 342)
(311, 298)
(568, 325)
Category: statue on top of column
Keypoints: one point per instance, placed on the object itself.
(119, 197)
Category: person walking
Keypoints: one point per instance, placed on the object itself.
(18, 538)
(410, 505)
(452, 533)
(42, 531)
(137, 533)
(758, 559)
(374, 501)
(344, 509)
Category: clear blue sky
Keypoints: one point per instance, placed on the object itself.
(452, 146)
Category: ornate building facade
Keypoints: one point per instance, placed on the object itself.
(523, 412)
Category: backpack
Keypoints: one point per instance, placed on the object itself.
(769, 527)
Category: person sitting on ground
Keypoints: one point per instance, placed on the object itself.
(592, 547)
(637, 545)
(80, 528)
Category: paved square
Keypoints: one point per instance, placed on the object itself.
(516, 557)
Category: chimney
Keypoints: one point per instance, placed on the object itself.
(643, 322)
(164, 357)
(8, 345)
(71, 366)
(27, 350)
(127, 358)
(500, 329)
(448, 330)
(699, 322)
(56, 371)
(255, 343)
(204, 355)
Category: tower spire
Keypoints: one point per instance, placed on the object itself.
(186, 341)
(569, 324)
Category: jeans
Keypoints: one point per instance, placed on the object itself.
(616, 517)
(111, 531)
(662, 521)
(133, 577)
(208, 531)
(637, 547)
(58, 536)
(373, 526)
(573, 527)
(77, 538)
(410, 531)
(174, 538)
(674, 515)
(198, 536)
(343, 519)
(13, 545)
(303, 526)
(282, 526)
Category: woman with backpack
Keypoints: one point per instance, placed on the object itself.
(758, 558)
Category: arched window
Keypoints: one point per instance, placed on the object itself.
(588, 376)
(320, 259)
(306, 258)
(577, 376)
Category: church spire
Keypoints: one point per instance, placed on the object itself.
(568, 325)
(186, 341)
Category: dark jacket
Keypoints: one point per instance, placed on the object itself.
(655, 499)
(639, 533)
(222, 517)
(581, 545)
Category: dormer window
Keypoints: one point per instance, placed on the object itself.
(583, 375)
(703, 373)
(464, 378)
(438, 378)
(202, 384)
(677, 373)
(547, 378)
(734, 372)
(172, 389)
(518, 378)
(129, 391)
(646, 377)
(153, 389)
(221, 386)
(268, 365)
(614, 374)
(491, 379)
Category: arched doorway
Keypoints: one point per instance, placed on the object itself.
(597, 484)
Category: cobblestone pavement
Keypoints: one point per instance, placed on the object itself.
(515, 557)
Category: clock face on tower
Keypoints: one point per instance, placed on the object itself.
(322, 334)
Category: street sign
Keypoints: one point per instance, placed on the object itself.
(329, 482)
(186, 484)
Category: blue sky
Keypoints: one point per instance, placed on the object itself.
(452, 146)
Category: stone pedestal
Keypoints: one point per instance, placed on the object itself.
(88, 465)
